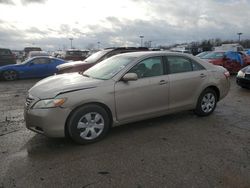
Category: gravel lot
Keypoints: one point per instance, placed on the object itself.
(179, 150)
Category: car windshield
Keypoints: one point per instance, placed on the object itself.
(96, 56)
(26, 61)
(202, 54)
(108, 68)
(214, 55)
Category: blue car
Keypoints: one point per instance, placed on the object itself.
(36, 67)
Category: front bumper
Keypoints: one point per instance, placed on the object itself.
(243, 82)
(50, 122)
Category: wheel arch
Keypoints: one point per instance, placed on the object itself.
(105, 107)
(216, 89)
(11, 69)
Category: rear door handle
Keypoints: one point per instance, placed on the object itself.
(163, 82)
(203, 75)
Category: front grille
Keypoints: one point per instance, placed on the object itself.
(28, 102)
(247, 76)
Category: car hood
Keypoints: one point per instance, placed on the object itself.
(70, 64)
(10, 66)
(58, 84)
(247, 69)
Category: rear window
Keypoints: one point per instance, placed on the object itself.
(214, 55)
(5, 52)
(78, 53)
(29, 49)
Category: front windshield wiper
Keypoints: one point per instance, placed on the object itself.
(82, 73)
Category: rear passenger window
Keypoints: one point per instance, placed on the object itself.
(180, 64)
(41, 61)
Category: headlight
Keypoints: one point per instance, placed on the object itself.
(49, 103)
(241, 74)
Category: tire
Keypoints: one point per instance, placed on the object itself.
(88, 124)
(206, 103)
(9, 75)
(244, 87)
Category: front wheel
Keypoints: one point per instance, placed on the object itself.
(9, 75)
(88, 124)
(206, 102)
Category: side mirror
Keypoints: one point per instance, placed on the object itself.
(225, 57)
(31, 63)
(130, 77)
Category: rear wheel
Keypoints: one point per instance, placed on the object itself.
(244, 87)
(206, 102)
(9, 75)
(88, 124)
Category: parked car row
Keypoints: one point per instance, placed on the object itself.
(42, 65)
(233, 61)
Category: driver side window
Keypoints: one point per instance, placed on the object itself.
(148, 68)
(40, 61)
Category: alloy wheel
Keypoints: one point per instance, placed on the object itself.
(9, 75)
(208, 102)
(91, 125)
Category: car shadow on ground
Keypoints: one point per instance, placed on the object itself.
(42, 144)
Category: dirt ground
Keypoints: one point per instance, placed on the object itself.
(178, 150)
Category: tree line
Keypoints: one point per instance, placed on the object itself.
(208, 45)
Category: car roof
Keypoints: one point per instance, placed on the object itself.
(154, 53)
(38, 52)
(49, 57)
(128, 48)
(4, 49)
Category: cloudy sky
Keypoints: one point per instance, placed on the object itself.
(50, 23)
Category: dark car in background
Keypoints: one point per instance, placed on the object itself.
(36, 67)
(37, 53)
(243, 77)
(75, 55)
(233, 61)
(7, 57)
(27, 50)
(80, 66)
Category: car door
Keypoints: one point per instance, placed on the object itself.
(186, 78)
(37, 67)
(52, 66)
(146, 96)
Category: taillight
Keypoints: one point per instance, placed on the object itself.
(227, 74)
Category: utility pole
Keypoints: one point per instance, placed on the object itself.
(71, 39)
(141, 40)
(98, 45)
(239, 36)
(150, 43)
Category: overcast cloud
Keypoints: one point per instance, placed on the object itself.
(25, 2)
(50, 24)
(6, 2)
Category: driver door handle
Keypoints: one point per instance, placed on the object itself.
(203, 75)
(162, 82)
